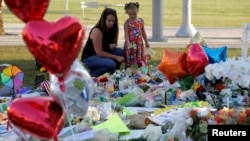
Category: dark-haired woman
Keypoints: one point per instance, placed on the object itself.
(100, 54)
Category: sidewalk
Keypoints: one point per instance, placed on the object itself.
(214, 37)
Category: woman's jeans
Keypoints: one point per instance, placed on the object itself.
(100, 65)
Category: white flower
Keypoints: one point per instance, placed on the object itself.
(203, 112)
(225, 68)
(240, 67)
(209, 76)
(245, 81)
(209, 68)
(189, 121)
(237, 77)
(219, 71)
(237, 70)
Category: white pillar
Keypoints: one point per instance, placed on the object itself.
(66, 7)
(157, 21)
(245, 38)
(187, 29)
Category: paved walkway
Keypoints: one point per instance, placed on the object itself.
(214, 37)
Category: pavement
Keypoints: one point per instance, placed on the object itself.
(213, 36)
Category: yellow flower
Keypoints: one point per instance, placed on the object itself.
(196, 86)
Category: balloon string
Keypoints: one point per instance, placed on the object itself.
(19, 133)
(68, 117)
(62, 103)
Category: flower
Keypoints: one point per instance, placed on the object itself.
(227, 116)
(244, 116)
(237, 70)
(196, 121)
(195, 125)
(198, 130)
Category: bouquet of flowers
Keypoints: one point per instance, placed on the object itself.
(198, 130)
(223, 83)
(192, 123)
(189, 124)
(234, 71)
(228, 116)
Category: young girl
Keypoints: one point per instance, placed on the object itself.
(134, 36)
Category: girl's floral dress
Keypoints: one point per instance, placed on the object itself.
(134, 52)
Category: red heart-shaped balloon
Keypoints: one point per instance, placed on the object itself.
(28, 10)
(55, 44)
(196, 59)
(40, 117)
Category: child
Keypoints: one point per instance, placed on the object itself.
(134, 36)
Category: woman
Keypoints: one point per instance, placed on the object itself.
(100, 54)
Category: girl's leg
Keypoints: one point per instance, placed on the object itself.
(99, 65)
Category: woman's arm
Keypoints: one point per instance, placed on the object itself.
(96, 36)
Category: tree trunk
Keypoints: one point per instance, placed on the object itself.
(2, 32)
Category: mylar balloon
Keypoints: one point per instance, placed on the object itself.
(55, 44)
(196, 59)
(40, 117)
(28, 10)
(197, 38)
(78, 89)
(172, 65)
(216, 55)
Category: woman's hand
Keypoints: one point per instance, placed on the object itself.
(120, 58)
(112, 46)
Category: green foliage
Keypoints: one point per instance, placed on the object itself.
(127, 100)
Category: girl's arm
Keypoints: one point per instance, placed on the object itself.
(96, 36)
(126, 32)
(144, 35)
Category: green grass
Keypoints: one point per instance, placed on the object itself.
(24, 59)
(205, 13)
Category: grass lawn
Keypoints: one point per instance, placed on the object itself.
(24, 59)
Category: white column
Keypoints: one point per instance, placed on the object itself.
(157, 21)
(66, 7)
(245, 38)
(187, 29)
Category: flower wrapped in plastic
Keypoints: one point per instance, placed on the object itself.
(237, 70)
(231, 116)
(189, 124)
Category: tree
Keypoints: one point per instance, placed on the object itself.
(2, 32)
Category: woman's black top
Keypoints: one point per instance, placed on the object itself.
(107, 38)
